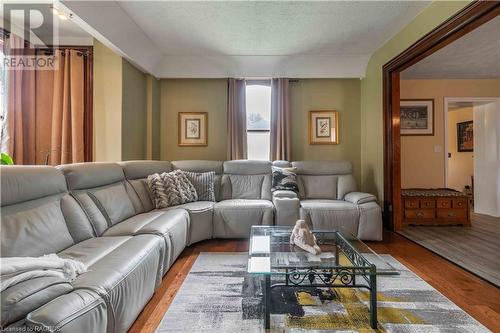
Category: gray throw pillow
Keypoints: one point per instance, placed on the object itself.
(204, 183)
(284, 179)
(171, 189)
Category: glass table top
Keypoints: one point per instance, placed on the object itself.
(270, 252)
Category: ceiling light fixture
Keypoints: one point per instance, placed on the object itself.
(62, 16)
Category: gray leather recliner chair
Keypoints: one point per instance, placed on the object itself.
(327, 199)
(245, 198)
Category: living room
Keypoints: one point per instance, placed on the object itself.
(182, 166)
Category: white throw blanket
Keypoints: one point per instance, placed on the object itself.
(15, 270)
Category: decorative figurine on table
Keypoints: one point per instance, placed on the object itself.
(303, 237)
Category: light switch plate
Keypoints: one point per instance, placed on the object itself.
(437, 149)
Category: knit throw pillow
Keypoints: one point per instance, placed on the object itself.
(171, 189)
(203, 182)
(284, 179)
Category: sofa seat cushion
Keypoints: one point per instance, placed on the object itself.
(233, 218)
(133, 225)
(171, 225)
(195, 207)
(324, 214)
(92, 250)
(126, 277)
(200, 220)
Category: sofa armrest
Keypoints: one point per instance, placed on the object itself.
(359, 198)
(79, 311)
(22, 298)
(286, 207)
(370, 221)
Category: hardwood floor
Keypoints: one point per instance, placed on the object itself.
(477, 297)
(475, 248)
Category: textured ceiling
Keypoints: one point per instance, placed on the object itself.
(270, 27)
(475, 55)
(246, 38)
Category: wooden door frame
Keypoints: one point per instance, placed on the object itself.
(469, 18)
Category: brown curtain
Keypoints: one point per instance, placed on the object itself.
(236, 120)
(45, 110)
(280, 120)
(67, 108)
(43, 125)
(18, 134)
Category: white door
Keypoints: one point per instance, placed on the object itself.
(487, 159)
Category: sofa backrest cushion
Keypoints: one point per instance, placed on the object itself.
(82, 176)
(38, 215)
(137, 173)
(203, 166)
(22, 183)
(114, 201)
(246, 179)
(108, 191)
(324, 179)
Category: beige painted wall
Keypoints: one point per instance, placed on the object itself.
(107, 104)
(421, 166)
(342, 95)
(372, 141)
(460, 164)
(194, 95)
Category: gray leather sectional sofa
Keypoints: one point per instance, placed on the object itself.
(102, 214)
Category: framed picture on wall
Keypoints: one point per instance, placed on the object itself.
(323, 127)
(465, 136)
(193, 129)
(417, 116)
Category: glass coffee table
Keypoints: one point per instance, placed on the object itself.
(345, 262)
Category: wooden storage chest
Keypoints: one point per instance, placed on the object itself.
(435, 207)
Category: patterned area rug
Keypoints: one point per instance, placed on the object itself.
(219, 296)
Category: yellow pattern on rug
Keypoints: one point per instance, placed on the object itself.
(356, 315)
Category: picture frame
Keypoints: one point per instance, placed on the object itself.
(323, 127)
(465, 136)
(192, 129)
(417, 117)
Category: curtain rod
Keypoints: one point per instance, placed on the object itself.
(263, 79)
(80, 52)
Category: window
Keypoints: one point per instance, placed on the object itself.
(258, 105)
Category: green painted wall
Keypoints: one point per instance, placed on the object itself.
(372, 151)
(120, 108)
(194, 95)
(210, 95)
(155, 119)
(342, 95)
(133, 113)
